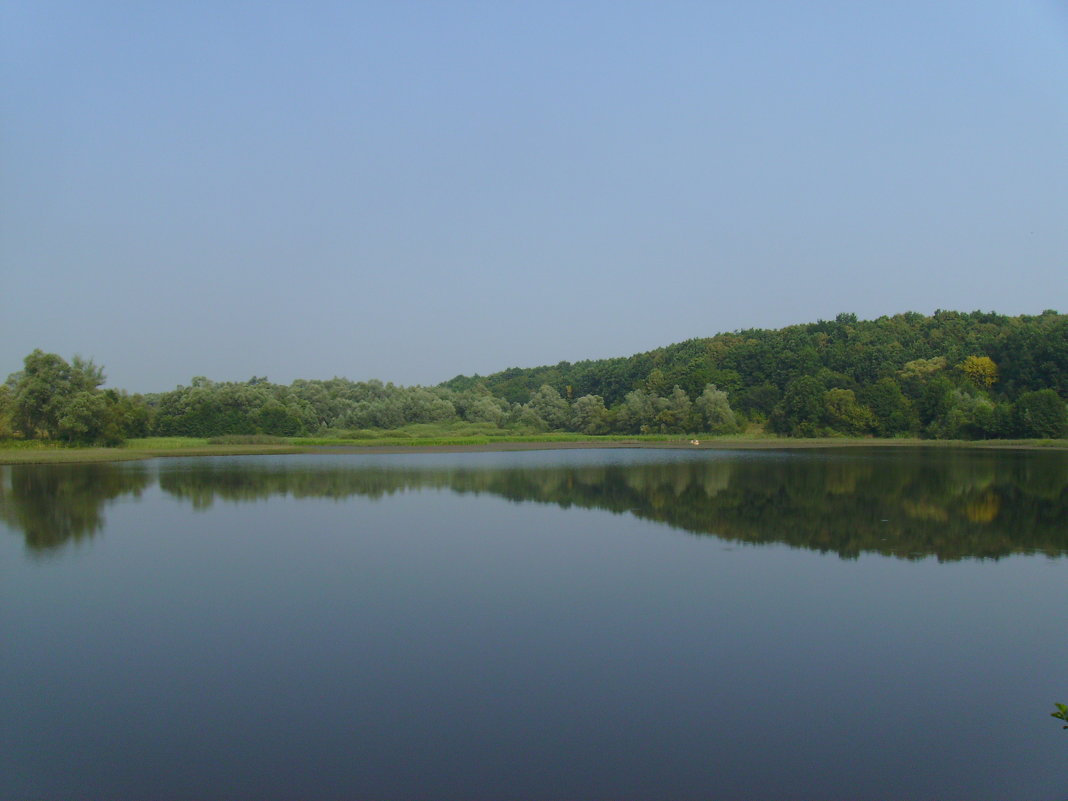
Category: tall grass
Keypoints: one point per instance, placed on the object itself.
(164, 443)
(248, 439)
(31, 445)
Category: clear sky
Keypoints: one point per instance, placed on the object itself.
(412, 190)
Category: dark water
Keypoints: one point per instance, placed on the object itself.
(886, 624)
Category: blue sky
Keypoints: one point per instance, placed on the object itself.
(408, 191)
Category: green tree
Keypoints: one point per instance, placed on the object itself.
(845, 415)
(550, 407)
(655, 382)
(421, 405)
(43, 389)
(637, 413)
(714, 413)
(673, 412)
(800, 412)
(758, 402)
(7, 412)
(589, 415)
(980, 370)
(525, 417)
(968, 416)
(89, 417)
(275, 418)
(917, 374)
(1041, 415)
(892, 410)
(936, 399)
(134, 413)
(486, 409)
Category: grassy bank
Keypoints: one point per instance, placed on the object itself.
(132, 450)
(18, 452)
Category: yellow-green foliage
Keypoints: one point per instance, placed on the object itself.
(923, 368)
(980, 370)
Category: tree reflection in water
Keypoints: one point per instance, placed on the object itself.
(55, 504)
(904, 503)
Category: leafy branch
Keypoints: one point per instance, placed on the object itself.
(1061, 714)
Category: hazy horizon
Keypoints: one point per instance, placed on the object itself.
(410, 192)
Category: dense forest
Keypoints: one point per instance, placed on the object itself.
(949, 375)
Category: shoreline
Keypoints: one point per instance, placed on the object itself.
(60, 455)
(710, 445)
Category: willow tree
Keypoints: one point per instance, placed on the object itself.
(714, 412)
(44, 389)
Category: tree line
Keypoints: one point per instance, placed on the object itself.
(948, 375)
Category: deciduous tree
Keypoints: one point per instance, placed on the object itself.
(550, 407)
(1041, 414)
(714, 413)
(980, 370)
(589, 415)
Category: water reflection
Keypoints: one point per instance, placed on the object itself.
(909, 504)
(55, 504)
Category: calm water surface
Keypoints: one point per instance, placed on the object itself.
(611, 624)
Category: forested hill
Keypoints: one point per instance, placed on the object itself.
(756, 366)
(949, 375)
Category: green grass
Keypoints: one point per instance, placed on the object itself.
(55, 453)
(30, 445)
(35, 452)
(248, 439)
(164, 443)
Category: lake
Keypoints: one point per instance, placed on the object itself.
(578, 624)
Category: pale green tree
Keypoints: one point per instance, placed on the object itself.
(673, 415)
(421, 405)
(714, 413)
(486, 409)
(845, 415)
(589, 415)
(637, 414)
(525, 417)
(550, 407)
(968, 417)
(45, 385)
